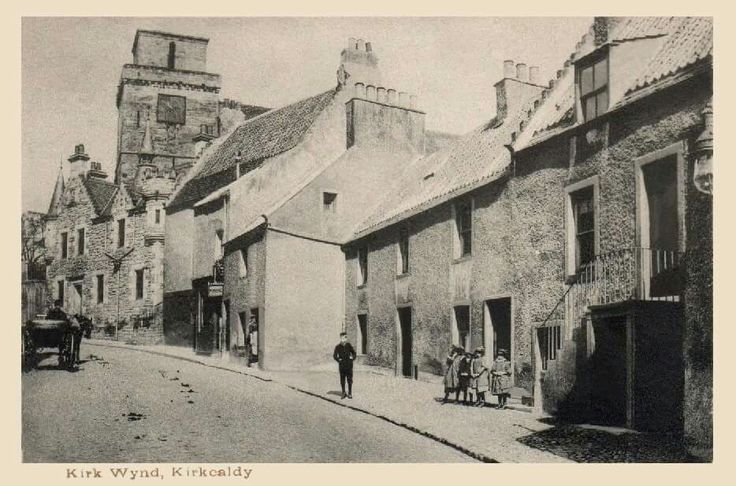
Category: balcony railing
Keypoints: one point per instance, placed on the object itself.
(618, 276)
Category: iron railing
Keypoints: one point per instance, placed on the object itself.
(218, 271)
(627, 274)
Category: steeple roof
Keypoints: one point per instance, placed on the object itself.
(56, 196)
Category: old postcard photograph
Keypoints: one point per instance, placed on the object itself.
(333, 239)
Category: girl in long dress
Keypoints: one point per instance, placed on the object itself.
(501, 383)
(481, 376)
(451, 375)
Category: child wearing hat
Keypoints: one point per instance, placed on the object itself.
(501, 383)
(481, 376)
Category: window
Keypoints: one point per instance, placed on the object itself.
(157, 214)
(583, 211)
(550, 343)
(403, 251)
(362, 333)
(139, 284)
(121, 233)
(243, 264)
(100, 289)
(329, 202)
(64, 245)
(593, 86)
(171, 109)
(171, 61)
(362, 266)
(80, 241)
(464, 228)
(60, 291)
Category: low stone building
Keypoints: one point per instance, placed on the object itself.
(568, 230)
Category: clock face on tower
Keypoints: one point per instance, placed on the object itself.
(171, 109)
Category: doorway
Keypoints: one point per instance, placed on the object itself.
(461, 326)
(75, 299)
(497, 327)
(405, 344)
(609, 393)
(660, 228)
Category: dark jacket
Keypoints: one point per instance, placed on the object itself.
(344, 354)
(56, 314)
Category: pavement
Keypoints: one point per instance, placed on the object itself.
(485, 434)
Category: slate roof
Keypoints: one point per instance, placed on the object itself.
(56, 196)
(257, 139)
(100, 193)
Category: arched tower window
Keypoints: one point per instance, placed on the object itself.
(172, 54)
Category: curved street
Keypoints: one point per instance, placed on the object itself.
(127, 406)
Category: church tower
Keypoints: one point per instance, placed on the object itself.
(166, 101)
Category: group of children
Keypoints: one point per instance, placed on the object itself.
(472, 375)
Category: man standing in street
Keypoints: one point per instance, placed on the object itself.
(345, 355)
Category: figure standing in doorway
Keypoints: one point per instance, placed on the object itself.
(501, 384)
(344, 354)
(252, 341)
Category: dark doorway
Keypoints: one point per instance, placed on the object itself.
(406, 340)
(362, 333)
(497, 327)
(226, 324)
(461, 327)
(609, 369)
(209, 327)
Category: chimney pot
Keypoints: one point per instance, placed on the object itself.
(509, 70)
(403, 99)
(559, 73)
(361, 45)
(360, 90)
(392, 98)
(351, 43)
(368, 47)
(370, 92)
(413, 102)
(522, 72)
(534, 74)
(381, 94)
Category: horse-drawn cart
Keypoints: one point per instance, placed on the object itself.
(65, 335)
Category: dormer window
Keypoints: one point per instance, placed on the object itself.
(171, 61)
(593, 86)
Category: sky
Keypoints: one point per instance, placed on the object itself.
(71, 68)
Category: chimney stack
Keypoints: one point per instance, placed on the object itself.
(78, 161)
(522, 72)
(96, 171)
(518, 85)
(360, 63)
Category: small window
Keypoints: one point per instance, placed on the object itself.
(157, 214)
(363, 266)
(64, 245)
(80, 241)
(464, 228)
(593, 86)
(583, 210)
(171, 109)
(403, 251)
(362, 333)
(60, 291)
(329, 202)
(121, 233)
(172, 56)
(139, 284)
(243, 264)
(100, 289)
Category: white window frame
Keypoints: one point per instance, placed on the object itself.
(570, 225)
(76, 241)
(334, 205)
(97, 288)
(63, 245)
(457, 249)
(404, 230)
(117, 232)
(134, 282)
(361, 276)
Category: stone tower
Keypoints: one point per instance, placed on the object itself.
(166, 96)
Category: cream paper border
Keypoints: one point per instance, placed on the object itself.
(15, 472)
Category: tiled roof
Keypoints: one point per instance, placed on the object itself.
(685, 41)
(100, 193)
(690, 39)
(257, 139)
(475, 158)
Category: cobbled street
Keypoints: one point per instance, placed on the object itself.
(128, 406)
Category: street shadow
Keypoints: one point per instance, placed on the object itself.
(335, 393)
(581, 444)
